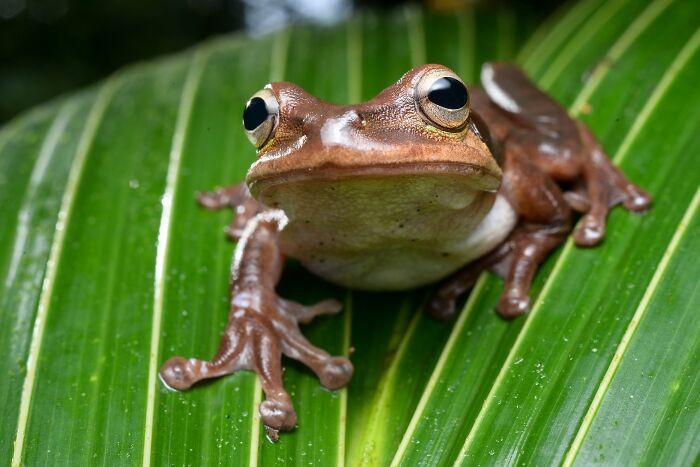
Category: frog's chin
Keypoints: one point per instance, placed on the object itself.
(474, 176)
(336, 222)
(395, 262)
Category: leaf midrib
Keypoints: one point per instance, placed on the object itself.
(189, 89)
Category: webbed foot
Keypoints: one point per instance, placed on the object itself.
(255, 339)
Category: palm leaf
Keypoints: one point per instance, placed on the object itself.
(108, 267)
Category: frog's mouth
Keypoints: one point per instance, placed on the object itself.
(476, 177)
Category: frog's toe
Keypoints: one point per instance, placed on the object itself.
(328, 307)
(305, 314)
(510, 307)
(209, 200)
(636, 199)
(441, 308)
(233, 232)
(333, 372)
(589, 233)
(179, 373)
(577, 201)
(336, 372)
(278, 414)
(442, 305)
(223, 197)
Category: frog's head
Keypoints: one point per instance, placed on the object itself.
(418, 129)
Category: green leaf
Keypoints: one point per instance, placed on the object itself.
(108, 267)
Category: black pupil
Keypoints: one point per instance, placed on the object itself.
(449, 93)
(254, 114)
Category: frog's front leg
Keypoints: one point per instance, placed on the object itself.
(262, 327)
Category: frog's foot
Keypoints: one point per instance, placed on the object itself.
(529, 245)
(236, 197)
(255, 339)
(605, 187)
(516, 260)
(442, 304)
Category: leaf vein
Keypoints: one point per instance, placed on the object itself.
(621, 45)
(581, 38)
(87, 137)
(184, 112)
(630, 331)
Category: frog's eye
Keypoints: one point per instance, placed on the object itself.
(443, 100)
(260, 117)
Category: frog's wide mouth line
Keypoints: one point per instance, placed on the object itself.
(480, 178)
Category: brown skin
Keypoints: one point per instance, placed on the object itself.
(532, 181)
(390, 160)
(262, 326)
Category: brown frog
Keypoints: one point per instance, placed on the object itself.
(429, 181)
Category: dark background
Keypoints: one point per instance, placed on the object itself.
(48, 47)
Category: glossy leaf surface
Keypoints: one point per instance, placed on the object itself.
(108, 266)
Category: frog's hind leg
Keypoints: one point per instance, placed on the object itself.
(551, 138)
(562, 147)
(236, 197)
(605, 186)
(262, 327)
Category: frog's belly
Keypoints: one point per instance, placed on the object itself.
(401, 265)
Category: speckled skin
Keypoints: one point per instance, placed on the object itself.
(378, 196)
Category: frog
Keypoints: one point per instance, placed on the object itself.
(430, 182)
